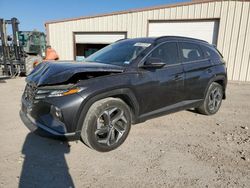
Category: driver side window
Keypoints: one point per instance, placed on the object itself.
(167, 53)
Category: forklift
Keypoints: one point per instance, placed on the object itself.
(20, 52)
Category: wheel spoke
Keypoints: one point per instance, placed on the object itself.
(214, 104)
(102, 130)
(218, 101)
(102, 141)
(215, 92)
(112, 135)
(106, 117)
(117, 117)
(218, 96)
(119, 130)
(111, 111)
(123, 118)
(210, 102)
(107, 139)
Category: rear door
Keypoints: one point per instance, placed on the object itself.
(197, 70)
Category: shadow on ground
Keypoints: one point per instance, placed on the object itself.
(44, 163)
(193, 111)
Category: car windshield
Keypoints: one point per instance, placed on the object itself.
(119, 53)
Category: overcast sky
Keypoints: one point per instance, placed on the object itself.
(34, 13)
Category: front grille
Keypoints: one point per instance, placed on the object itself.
(30, 92)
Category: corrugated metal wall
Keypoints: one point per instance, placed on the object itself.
(233, 38)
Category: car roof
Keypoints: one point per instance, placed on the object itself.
(165, 38)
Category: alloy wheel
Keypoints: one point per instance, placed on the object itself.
(110, 126)
(215, 98)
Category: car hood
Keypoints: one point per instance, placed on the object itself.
(49, 73)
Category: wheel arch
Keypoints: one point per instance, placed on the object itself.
(124, 94)
(220, 79)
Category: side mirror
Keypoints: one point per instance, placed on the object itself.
(153, 62)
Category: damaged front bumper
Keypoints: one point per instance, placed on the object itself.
(44, 131)
(53, 117)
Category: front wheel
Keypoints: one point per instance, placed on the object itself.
(212, 101)
(106, 125)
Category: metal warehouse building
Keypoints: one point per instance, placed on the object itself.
(224, 23)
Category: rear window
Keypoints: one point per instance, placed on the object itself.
(211, 52)
(190, 52)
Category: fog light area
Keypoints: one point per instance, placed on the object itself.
(56, 112)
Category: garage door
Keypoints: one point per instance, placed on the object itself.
(88, 43)
(96, 38)
(205, 30)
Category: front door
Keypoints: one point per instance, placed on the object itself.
(164, 85)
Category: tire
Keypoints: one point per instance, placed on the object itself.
(212, 101)
(106, 125)
(29, 63)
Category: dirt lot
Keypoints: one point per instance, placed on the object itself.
(179, 150)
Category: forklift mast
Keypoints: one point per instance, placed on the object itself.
(5, 56)
(19, 52)
(14, 22)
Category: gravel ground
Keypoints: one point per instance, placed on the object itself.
(183, 149)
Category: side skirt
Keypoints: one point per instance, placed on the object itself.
(170, 109)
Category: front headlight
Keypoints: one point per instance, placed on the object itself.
(59, 93)
(41, 94)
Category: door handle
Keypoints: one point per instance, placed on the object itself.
(178, 77)
(209, 71)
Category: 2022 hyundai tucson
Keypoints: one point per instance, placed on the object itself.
(124, 83)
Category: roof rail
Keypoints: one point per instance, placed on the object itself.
(180, 37)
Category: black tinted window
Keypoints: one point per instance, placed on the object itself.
(210, 52)
(167, 52)
(190, 52)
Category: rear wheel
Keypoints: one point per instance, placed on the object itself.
(212, 101)
(106, 125)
